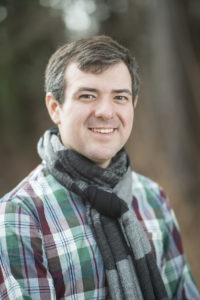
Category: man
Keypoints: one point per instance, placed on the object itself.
(82, 225)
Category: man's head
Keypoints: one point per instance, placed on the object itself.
(93, 55)
(90, 96)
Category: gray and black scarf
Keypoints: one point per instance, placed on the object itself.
(130, 266)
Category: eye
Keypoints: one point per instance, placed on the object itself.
(87, 97)
(121, 98)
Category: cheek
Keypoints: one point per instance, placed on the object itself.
(128, 117)
(129, 125)
(74, 124)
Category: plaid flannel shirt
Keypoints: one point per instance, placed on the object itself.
(48, 250)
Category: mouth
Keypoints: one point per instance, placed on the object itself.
(105, 131)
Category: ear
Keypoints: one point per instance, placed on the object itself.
(53, 107)
(135, 102)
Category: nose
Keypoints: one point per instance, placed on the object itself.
(104, 109)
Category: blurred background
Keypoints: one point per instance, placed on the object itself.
(164, 36)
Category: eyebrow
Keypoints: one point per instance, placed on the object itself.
(86, 89)
(121, 91)
(117, 91)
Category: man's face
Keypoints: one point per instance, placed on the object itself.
(96, 116)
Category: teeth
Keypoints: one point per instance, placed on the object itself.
(103, 130)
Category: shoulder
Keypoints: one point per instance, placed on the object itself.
(142, 185)
(28, 194)
(150, 199)
(35, 183)
(25, 186)
(139, 179)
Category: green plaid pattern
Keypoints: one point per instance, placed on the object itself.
(48, 250)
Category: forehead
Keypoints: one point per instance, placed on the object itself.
(116, 75)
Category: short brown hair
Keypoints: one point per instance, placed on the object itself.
(93, 54)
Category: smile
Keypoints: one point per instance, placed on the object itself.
(103, 130)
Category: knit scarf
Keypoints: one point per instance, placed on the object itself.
(130, 266)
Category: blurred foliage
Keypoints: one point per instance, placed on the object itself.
(28, 35)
